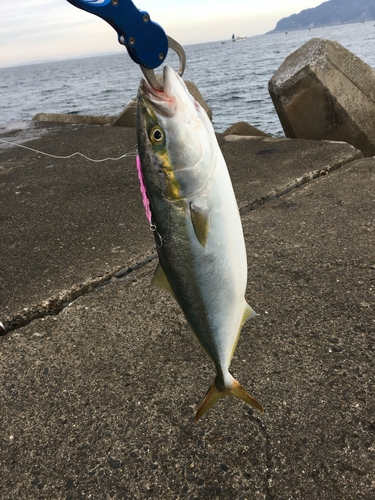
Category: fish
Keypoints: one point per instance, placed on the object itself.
(196, 224)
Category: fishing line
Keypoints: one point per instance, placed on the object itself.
(69, 156)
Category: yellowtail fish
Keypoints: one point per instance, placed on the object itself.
(196, 223)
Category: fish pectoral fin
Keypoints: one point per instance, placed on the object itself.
(214, 394)
(247, 314)
(200, 218)
(161, 281)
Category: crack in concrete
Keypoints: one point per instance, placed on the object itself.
(290, 186)
(54, 305)
(268, 454)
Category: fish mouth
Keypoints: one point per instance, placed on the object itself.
(164, 102)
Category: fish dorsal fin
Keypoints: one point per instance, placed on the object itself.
(161, 281)
(247, 314)
(201, 223)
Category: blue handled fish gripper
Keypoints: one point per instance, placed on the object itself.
(145, 40)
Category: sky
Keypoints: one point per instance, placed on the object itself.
(39, 30)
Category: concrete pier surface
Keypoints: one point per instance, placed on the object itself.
(101, 375)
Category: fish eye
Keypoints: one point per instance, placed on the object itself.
(157, 135)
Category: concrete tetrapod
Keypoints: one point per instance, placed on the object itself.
(323, 91)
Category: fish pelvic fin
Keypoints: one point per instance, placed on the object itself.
(214, 394)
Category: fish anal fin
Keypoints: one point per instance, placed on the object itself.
(161, 281)
(247, 314)
(201, 223)
(214, 394)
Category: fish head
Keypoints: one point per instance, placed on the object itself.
(176, 141)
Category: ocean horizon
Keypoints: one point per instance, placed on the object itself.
(232, 77)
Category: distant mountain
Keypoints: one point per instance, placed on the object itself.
(329, 13)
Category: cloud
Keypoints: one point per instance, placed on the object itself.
(33, 30)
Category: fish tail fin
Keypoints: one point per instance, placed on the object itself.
(214, 394)
(241, 393)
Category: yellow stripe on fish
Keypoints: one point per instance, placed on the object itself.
(173, 186)
(157, 138)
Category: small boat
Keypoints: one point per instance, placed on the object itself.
(238, 38)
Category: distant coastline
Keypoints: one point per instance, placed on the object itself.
(330, 13)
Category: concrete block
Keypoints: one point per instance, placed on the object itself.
(245, 129)
(80, 119)
(127, 118)
(194, 91)
(323, 91)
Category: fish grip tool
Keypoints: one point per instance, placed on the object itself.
(145, 40)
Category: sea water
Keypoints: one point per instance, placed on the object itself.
(232, 77)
